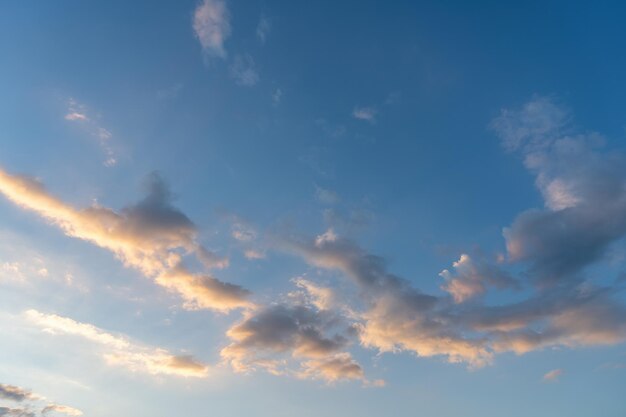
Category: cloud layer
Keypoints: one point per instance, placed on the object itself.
(312, 331)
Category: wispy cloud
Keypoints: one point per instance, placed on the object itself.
(553, 375)
(326, 196)
(367, 114)
(211, 24)
(243, 71)
(77, 113)
(277, 96)
(62, 409)
(263, 28)
(118, 350)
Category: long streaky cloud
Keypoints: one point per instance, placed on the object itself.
(151, 236)
(120, 351)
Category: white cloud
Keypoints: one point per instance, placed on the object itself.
(471, 278)
(553, 375)
(211, 24)
(77, 113)
(62, 409)
(243, 232)
(119, 350)
(254, 254)
(365, 113)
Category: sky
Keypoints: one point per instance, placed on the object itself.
(219, 207)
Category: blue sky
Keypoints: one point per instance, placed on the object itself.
(312, 208)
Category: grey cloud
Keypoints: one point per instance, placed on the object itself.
(11, 392)
(31, 402)
(15, 412)
(152, 236)
(472, 277)
(296, 338)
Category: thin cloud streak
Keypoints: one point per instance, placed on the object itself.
(119, 351)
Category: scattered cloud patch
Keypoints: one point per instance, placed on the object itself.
(77, 113)
(243, 71)
(243, 232)
(326, 196)
(32, 404)
(367, 114)
(295, 338)
(471, 278)
(277, 96)
(11, 392)
(553, 375)
(211, 25)
(263, 28)
(254, 254)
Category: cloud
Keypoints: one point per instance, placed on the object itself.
(243, 232)
(77, 113)
(323, 298)
(277, 96)
(553, 375)
(332, 369)
(32, 401)
(254, 254)
(583, 187)
(15, 412)
(211, 24)
(529, 126)
(203, 291)
(11, 392)
(471, 278)
(326, 196)
(365, 113)
(62, 409)
(118, 350)
(296, 338)
(151, 236)
(397, 317)
(263, 28)
(243, 71)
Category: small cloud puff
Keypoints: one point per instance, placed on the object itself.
(365, 113)
(211, 24)
(553, 375)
